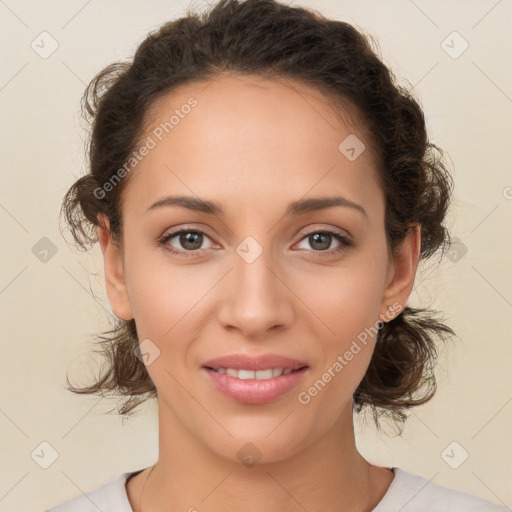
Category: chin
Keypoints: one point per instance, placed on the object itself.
(275, 441)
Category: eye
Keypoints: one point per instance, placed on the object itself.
(190, 240)
(321, 241)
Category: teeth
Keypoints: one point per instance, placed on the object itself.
(247, 374)
(259, 375)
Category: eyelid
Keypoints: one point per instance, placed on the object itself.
(329, 229)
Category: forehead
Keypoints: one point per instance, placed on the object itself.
(244, 136)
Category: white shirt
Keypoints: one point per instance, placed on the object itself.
(407, 493)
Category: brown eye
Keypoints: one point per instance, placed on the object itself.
(189, 242)
(320, 241)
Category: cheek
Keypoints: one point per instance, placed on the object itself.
(160, 302)
(349, 307)
(160, 292)
(348, 304)
(349, 299)
(163, 307)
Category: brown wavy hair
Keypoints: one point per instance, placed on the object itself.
(273, 40)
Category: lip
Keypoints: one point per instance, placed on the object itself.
(254, 363)
(254, 391)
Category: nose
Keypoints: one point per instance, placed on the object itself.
(256, 297)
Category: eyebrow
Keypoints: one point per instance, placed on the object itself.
(294, 208)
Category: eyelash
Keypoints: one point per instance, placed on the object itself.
(344, 242)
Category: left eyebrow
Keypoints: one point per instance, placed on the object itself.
(294, 208)
(320, 203)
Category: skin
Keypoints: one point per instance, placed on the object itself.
(254, 146)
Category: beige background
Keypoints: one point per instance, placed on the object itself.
(49, 315)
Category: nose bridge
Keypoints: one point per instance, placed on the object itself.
(256, 301)
(252, 269)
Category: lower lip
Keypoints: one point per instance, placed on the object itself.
(254, 391)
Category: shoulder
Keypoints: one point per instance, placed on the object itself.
(109, 497)
(413, 493)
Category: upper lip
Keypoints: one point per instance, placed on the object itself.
(255, 363)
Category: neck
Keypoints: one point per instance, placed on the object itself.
(328, 474)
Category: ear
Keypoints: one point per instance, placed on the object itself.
(401, 274)
(114, 271)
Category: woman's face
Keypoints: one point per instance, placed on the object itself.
(261, 278)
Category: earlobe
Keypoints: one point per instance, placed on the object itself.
(114, 271)
(403, 271)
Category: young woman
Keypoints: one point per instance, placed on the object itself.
(262, 192)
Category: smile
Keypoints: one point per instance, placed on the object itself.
(249, 374)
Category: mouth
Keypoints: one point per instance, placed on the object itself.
(254, 387)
